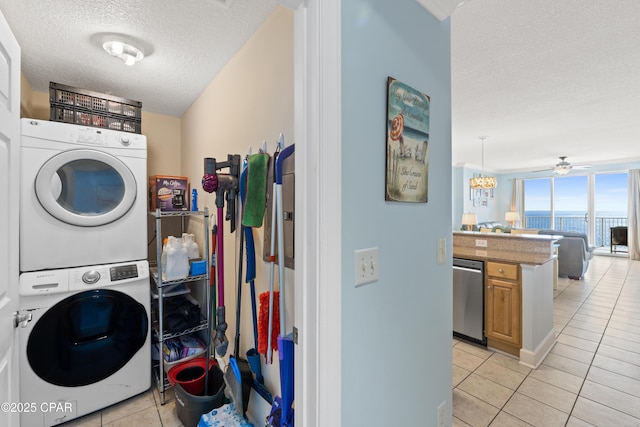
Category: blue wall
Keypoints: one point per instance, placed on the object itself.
(462, 201)
(396, 335)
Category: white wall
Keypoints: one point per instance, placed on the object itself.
(250, 100)
(396, 334)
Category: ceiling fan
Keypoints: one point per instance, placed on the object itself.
(563, 167)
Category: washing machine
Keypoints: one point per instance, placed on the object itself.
(83, 196)
(84, 340)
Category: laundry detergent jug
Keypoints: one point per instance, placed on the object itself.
(176, 260)
(189, 243)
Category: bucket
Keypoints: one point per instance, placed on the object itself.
(190, 375)
(190, 408)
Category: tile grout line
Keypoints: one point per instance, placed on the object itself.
(500, 409)
(583, 380)
(569, 414)
(527, 376)
(601, 338)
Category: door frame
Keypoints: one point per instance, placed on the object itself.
(318, 136)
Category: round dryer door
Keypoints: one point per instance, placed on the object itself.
(85, 187)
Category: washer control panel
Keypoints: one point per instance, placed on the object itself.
(123, 272)
(82, 278)
(41, 133)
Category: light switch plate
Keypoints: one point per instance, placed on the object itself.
(442, 250)
(366, 266)
(442, 414)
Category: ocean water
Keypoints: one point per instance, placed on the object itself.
(577, 221)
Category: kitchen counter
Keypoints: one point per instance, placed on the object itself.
(535, 255)
(532, 249)
(500, 256)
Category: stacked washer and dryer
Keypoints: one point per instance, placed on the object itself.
(84, 299)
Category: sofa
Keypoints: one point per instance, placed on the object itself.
(574, 253)
(492, 225)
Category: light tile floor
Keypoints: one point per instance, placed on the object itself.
(590, 378)
(142, 410)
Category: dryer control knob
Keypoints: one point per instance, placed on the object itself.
(125, 140)
(90, 277)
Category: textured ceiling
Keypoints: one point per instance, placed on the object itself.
(545, 78)
(187, 42)
(540, 78)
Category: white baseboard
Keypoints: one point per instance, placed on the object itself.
(533, 359)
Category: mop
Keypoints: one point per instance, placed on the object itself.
(285, 343)
(256, 190)
(256, 171)
(254, 194)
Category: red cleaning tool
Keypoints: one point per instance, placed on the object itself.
(263, 322)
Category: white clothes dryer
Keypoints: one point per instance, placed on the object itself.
(84, 340)
(83, 196)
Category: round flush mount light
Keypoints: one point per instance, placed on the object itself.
(123, 50)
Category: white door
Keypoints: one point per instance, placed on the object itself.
(9, 275)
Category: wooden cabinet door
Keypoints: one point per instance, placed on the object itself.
(503, 319)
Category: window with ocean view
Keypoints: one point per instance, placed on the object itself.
(537, 203)
(563, 203)
(610, 203)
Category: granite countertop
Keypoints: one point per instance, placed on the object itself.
(533, 249)
(484, 254)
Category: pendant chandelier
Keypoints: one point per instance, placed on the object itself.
(482, 181)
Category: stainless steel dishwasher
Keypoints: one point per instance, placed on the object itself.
(468, 300)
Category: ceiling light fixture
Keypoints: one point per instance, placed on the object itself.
(123, 50)
(483, 181)
(563, 167)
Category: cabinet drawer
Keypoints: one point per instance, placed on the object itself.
(504, 271)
